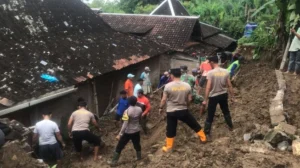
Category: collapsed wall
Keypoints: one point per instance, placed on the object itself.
(60, 37)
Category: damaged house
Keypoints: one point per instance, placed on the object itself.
(60, 44)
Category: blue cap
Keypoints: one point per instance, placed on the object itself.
(130, 76)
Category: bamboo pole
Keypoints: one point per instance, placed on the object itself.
(284, 58)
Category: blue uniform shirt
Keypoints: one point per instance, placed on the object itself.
(122, 106)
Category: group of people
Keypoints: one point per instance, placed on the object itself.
(179, 90)
(50, 142)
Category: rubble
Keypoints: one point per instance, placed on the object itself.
(274, 137)
(296, 147)
(287, 128)
(283, 146)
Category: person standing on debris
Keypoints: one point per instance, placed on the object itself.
(144, 103)
(294, 63)
(129, 131)
(235, 66)
(78, 126)
(46, 132)
(122, 106)
(147, 83)
(138, 86)
(178, 95)
(218, 84)
(205, 67)
(128, 86)
(164, 80)
(185, 77)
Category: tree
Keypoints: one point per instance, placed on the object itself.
(107, 6)
(129, 6)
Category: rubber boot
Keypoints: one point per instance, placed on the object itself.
(229, 122)
(202, 136)
(169, 145)
(114, 160)
(207, 129)
(138, 155)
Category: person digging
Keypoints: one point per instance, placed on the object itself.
(130, 131)
(177, 95)
(218, 84)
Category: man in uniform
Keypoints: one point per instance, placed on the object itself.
(218, 84)
(177, 95)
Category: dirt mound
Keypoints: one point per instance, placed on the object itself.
(292, 101)
(13, 156)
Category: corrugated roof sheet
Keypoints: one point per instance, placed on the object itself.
(208, 30)
(62, 38)
(167, 30)
(222, 41)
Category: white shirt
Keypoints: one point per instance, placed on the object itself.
(295, 46)
(46, 130)
(136, 89)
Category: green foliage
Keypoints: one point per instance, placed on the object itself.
(106, 6)
(140, 9)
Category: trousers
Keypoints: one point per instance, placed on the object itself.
(184, 116)
(222, 100)
(135, 138)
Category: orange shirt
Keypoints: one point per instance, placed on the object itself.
(128, 86)
(144, 104)
(205, 67)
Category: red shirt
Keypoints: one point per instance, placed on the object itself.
(128, 86)
(144, 103)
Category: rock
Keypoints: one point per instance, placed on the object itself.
(287, 128)
(186, 163)
(14, 158)
(296, 147)
(276, 119)
(224, 141)
(274, 137)
(247, 137)
(26, 147)
(283, 146)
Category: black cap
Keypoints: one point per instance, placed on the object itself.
(82, 104)
(213, 59)
(140, 80)
(184, 67)
(140, 91)
(123, 92)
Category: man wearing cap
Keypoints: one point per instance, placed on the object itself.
(137, 87)
(218, 85)
(147, 83)
(144, 103)
(128, 86)
(185, 77)
(177, 95)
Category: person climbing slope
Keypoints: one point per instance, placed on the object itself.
(235, 66)
(130, 131)
(177, 95)
(218, 84)
(144, 103)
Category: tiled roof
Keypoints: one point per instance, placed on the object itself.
(62, 38)
(167, 30)
(203, 32)
(165, 8)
